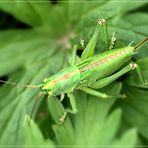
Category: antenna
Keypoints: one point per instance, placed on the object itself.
(21, 85)
(26, 85)
(141, 43)
(34, 104)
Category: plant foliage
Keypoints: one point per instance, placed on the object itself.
(32, 53)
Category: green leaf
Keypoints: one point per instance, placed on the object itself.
(32, 13)
(91, 125)
(129, 139)
(136, 31)
(33, 136)
(19, 101)
(106, 10)
(25, 47)
(135, 109)
(30, 55)
(91, 121)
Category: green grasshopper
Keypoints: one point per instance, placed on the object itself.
(92, 72)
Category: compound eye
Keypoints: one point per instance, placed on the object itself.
(50, 93)
(45, 80)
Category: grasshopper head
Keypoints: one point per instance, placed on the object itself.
(49, 87)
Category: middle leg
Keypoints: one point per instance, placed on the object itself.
(71, 110)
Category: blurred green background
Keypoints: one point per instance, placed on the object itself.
(35, 36)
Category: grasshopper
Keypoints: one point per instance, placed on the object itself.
(92, 72)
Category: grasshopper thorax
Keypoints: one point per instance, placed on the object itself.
(62, 82)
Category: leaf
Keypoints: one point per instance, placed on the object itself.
(19, 101)
(24, 47)
(91, 125)
(135, 109)
(29, 56)
(129, 139)
(33, 136)
(107, 10)
(90, 121)
(119, 24)
(32, 13)
(136, 31)
(64, 130)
